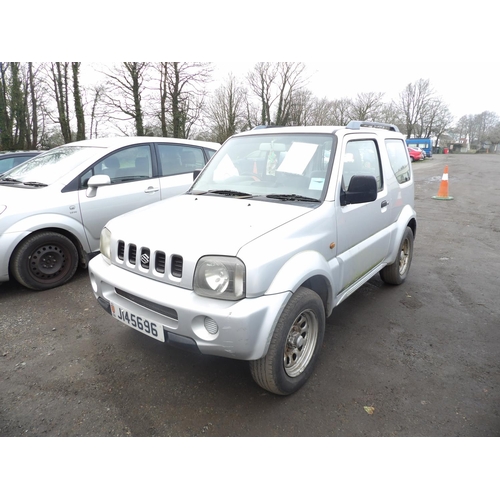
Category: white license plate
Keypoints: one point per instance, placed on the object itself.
(140, 323)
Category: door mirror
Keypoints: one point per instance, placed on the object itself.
(96, 181)
(362, 189)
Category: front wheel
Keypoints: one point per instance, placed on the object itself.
(44, 260)
(397, 272)
(294, 347)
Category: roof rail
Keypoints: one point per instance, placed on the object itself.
(257, 127)
(356, 125)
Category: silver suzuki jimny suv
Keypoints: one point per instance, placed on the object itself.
(281, 226)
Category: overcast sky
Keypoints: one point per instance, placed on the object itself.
(464, 92)
(358, 46)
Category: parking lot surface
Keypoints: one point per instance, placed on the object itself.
(421, 359)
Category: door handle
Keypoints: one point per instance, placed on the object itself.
(151, 189)
(384, 204)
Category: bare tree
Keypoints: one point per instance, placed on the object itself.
(5, 120)
(60, 81)
(226, 109)
(301, 109)
(19, 106)
(485, 122)
(98, 113)
(321, 112)
(182, 95)
(275, 85)
(341, 111)
(261, 80)
(493, 135)
(389, 113)
(124, 92)
(367, 106)
(436, 119)
(412, 103)
(291, 81)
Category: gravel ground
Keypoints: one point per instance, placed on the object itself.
(421, 359)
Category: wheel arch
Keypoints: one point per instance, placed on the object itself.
(315, 275)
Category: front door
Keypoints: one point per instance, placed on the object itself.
(363, 236)
(132, 186)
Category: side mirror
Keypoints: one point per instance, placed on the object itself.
(96, 181)
(362, 189)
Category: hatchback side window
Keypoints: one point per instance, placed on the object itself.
(398, 158)
(361, 158)
(177, 159)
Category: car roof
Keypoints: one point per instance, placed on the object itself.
(353, 125)
(313, 129)
(115, 142)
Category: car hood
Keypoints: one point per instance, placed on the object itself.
(197, 225)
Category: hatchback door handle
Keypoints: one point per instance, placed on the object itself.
(384, 204)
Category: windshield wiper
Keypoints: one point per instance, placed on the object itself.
(35, 184)
(229, 192)
(292, 197)
(10, 179)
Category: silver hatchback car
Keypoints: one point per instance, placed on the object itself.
(54, 206)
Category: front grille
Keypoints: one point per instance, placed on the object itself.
(153, 262)
(163, 310)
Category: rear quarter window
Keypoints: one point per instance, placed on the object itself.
(398, 158)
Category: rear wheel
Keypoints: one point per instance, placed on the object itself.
(397, 272)
(294, 347)
(44, 260)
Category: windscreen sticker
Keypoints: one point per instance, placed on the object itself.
(298, 157)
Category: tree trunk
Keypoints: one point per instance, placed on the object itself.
(34, 105)
(5, 119)
(80, 117)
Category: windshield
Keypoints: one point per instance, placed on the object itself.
(52, 165)
(274, 166)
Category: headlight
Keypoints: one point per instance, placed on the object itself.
(3, 208)
(220, 278)
(105, 244)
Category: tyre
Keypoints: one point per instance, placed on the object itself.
(44, 260)
(294, 347)
(397, 272)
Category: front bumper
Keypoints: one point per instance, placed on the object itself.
(8, 243)
(240, 329)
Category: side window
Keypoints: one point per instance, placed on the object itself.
(129, 164)
(177, 159)
(361, 158)
(398, 158)
(209, 152)
(6, 164)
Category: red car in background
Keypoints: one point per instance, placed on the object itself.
(416, 154)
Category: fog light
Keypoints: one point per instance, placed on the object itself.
(211, 326)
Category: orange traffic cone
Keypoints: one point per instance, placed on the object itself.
(443, 188)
